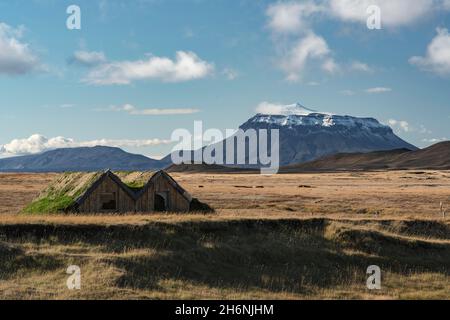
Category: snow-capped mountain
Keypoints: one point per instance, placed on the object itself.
(307, 135)
(297, 115)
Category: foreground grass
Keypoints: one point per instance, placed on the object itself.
(207, 257)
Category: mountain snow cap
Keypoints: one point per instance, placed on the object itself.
(297, 109)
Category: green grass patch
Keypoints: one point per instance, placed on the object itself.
(62, 193)
(50, 205)
(135, 186)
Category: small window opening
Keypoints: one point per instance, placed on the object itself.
(108, 201)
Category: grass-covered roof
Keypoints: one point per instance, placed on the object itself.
(64, 191)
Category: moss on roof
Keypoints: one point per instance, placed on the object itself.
(63, 192)
(134, 179)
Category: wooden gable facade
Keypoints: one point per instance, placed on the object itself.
(163, 193)
(110, 195)
(107, 194)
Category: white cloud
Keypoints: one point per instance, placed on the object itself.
(230, 74)
(399, 125)
(330, 66)
(435, 140)
(291, 17)
(88, 58)
(424, 130)
(437, 59)
(38, 143)
(67, 105)
(188, 33)
(446, 4)
(130, 109)
(393, 13)
(348, 93)
(360, 67)
(296, 16)
(186, 66)
(291, 25)
(377, 90)
(405, 126)
(269, 108)
(16, 57)
(296, 42)
(311, 47)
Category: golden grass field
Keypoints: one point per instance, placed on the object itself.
(292, 236)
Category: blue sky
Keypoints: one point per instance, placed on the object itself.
(139, 69)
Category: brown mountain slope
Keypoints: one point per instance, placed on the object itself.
(434, 157)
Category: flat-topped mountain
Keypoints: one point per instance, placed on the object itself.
(307, 135)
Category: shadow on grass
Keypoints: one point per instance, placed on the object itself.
(14, 260)
(274, 255)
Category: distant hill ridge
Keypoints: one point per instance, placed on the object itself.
(80, 159)
(435, 157)
(304, 135)
(100, 158)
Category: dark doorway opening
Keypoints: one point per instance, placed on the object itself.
(160, 203)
